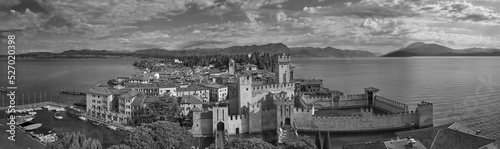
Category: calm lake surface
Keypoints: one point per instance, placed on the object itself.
(463, 89)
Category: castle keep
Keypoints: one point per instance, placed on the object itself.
(256, 107)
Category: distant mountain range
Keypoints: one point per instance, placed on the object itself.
(423, 49)
(156, 52)
(267, 48)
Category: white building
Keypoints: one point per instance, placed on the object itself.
(167, 90)
(217, 92)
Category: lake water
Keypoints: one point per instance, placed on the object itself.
(463, 89)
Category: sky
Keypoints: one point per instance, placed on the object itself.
(370, 25)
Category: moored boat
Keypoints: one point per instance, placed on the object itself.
(32, 126)
(58, 116)
(113, 127)
(82, 118)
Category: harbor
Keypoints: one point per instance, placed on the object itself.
(45, 122)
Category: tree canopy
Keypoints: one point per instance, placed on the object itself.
(298, 142)
(159, 135)
(253, 143)
(75, 140)
(164, 109)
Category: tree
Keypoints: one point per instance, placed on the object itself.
(298, 142)
(163, 110)
(120, 146)
(252, 143)
(75, 140)
(318, 140)
(159, 135)
(112, 82)
(326, 144)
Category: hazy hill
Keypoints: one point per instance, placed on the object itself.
(329, 52)
(267, 48)
(423, 49)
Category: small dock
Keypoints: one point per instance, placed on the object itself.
(73, 92)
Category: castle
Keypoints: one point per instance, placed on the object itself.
(254, 108)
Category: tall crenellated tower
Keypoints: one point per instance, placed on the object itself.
(231, 67)
(244, 87)
(282, 68)
(425, 112)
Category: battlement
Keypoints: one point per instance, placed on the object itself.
(425, 106)
(391, 102)
(245, 79)
(332, 117)
(302, 110)
(273, 86)
(237, 117)
(367, 110)
(284, 101)
(253, 105)
(282, 57)
(353, 96)
(394, 114)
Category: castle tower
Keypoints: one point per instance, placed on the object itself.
(425, 112)
(284, 108)
(370, 93)
(244, 87)
(231, 67)
(367, 114)
(282, 68)
(196, 129)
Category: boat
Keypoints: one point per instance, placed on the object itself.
(3, 89)
(23, 119)
(60, 109)
(58, 116)
(82, 118)
(96, 123)
(48, 138)
(33, 126)
(113, 127)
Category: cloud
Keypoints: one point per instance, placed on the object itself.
(461, 11)
(252, 16)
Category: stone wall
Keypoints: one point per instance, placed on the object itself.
(303, 117)
(259, 91)
(237, 121)
(389, 105)
(358, 123)
(353, 103)
(254, 118)
(269, 119)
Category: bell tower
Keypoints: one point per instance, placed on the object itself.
(231, 67)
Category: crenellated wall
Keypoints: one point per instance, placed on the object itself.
(353, 103)
(237, 122)
(311, 99)
(254, 118)
(353, 96)
(361, 122)
(259, 91)
(303, 117)
(389, 105)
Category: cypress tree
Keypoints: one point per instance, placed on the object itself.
(318, 140)
(326, 144)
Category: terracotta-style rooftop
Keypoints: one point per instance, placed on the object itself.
(190, 99)
(446, 137)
